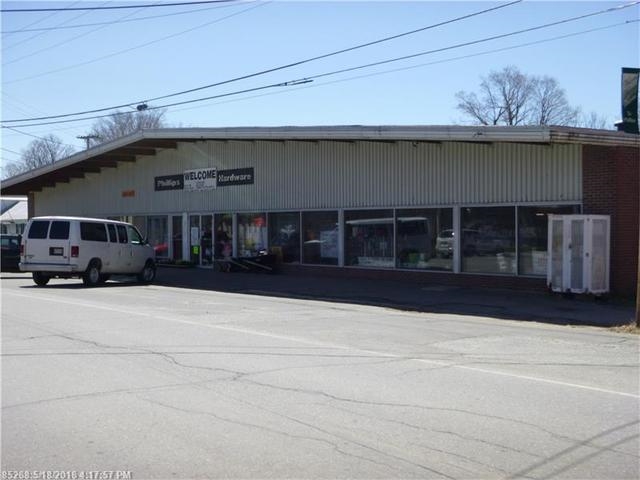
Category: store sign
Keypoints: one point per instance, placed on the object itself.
(204, 179)
(239, 176)
(169, 182)
(201, 179)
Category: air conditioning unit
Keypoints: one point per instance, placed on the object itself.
(578, 247)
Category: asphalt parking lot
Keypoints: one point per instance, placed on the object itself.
(163, 381)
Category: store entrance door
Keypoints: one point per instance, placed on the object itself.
(200, 233)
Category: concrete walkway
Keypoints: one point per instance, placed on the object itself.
(414, 296)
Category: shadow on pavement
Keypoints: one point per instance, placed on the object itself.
(409, 296)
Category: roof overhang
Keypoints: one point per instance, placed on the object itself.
(149, 142)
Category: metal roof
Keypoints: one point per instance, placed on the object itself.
(148, 142)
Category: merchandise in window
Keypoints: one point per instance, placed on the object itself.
(206, 240)
(158, 235)
(419, 243)
(533, 236)
(284, 236)
(252, 234)
(369, 238)
(320, 238)
(488, 240)
(223, 235)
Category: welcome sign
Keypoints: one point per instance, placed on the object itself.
(200, 179)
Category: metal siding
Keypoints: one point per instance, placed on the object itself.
(329, 174)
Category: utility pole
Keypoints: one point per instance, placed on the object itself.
(88, 138)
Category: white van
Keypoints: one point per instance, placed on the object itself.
(89, 248)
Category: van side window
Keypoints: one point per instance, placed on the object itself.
(122, 234)
(111, 228)
(134, 236)
(94, 232)
(38, 229)
(59, 230)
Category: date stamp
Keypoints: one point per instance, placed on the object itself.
(66, 475)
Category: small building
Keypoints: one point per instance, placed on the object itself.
(447, 204)
(13, 215)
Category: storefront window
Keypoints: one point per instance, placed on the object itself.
(223, 235)
(206, 240)
(284, 235)
(194, 238)
(320, 238)
(140, 222)
(252, 234)
(158, 235)
(488, 240)
(532, 236)
(177, 236)
(369, 238)
(418, 241)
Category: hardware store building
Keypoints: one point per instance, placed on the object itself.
(452, 205)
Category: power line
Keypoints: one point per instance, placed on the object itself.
(113, 7)
(126, 50)
(274, 69)
(25, 40)
(336, 72)
(436, 62)
(349, 69)
(50, 47)
(10, 151)
(95, 24)
(39, 138)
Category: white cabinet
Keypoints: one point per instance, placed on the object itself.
(578, 247)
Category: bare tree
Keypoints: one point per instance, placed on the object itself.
(510, 97)
(594, 120)
(121, 124)
(550, 105)
(43, 151)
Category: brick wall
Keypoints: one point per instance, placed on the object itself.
(611, 185)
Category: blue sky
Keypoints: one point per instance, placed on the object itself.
(128, 60)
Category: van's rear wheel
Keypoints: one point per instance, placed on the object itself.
(92, 276)
(40, 279)
(148, 273)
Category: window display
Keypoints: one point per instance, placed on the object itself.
(488, 239)
(320, 237)
(252, 234)
(206, 240)
(532, 237)
(158, 235)
(284, 235)
(422, 239)
(224, 235)
(369, 238)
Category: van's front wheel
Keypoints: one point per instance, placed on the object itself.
(92, 276)
(148, 273)
(40, 279)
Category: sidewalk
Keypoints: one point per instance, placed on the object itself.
(413, 296)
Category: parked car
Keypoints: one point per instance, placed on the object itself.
(89, 248)
(10, 253)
